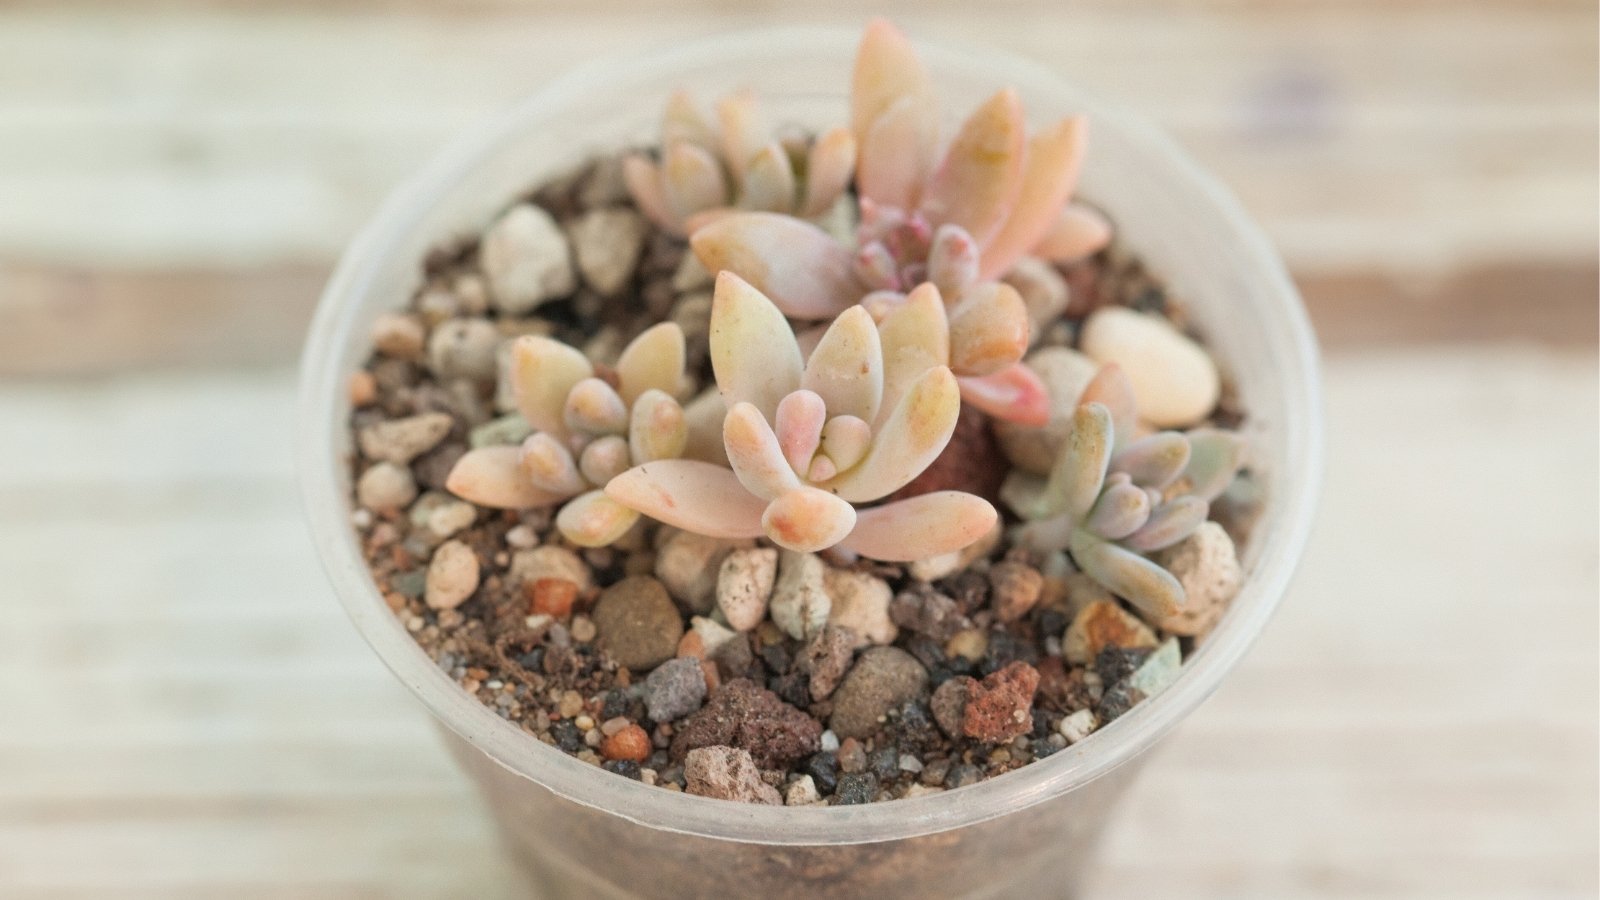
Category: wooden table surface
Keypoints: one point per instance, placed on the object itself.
(185, 712)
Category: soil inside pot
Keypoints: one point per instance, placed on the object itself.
(928, 676)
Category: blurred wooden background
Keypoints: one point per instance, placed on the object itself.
(184, 711)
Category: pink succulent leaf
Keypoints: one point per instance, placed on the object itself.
(1154, 461)
(978, 181)
(695, 496)
(550, 467)
(1047, 535)
(875, 268)
(703, 418)
(593, 407)
(755, 454)
(1049, 176)
(801, 416)
(652, 361)
(912, 436)
(915, 337)
(1127, 574)
(829, 164)
(493, 477)
(1079, 472)
(1169, 523)
(594, 520)
(807, 520)
(822, 468)
(917, 528)
(691, 180)
(988, 329)
(769, 182)
(643, 179)
(1078, 233)
(753, 352)
(1215, 458)
(543, 372)
(681, 122)
(604, 458)
(1111, 387)
(887, 173)
(887, 72)
(807, 273)
(656, 428)
(953, 260)
(1014, 394)
(739, 119)
(706, 217)
(846, 368)
(1121, 510)
(845, 440)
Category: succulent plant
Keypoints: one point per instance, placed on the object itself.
(1110, 498)
(809, 439)
(706, 171)
(589, 426)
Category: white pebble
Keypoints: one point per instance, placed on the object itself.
(386, 487)
(450, 517)
(452, 575)
(744, 585)
(1175, 381)
(464, 348)
(688, 564)
(1079, 725)
(802, 793)
(607, 243)
(526, 260)
(830, 741)
(800, 602)
(550, 562)
(1208, 568)
(860, 602)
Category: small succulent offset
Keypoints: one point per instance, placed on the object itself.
(807, 440)
(589, 427)
(1110, 498)
(705, 171)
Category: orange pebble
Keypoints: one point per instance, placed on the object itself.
(553, 597)
(363, 388)
(629, 743)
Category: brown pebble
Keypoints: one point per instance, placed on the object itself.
(743, 715)
(949, 704)
(1014, 589)
(551, 597)
(638, 624)
(630, 743)
(363, 388)
(1000, 707)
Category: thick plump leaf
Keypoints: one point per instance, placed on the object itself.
(801, 416)
(888, 72)
(643, 179)
(1013, 394)
(543, 372)
(888, 173)
(739, 117)
(1214, 459)
(695, 496)
(1120, 511)
(846, 368)
(755, 454)
(1169, 523)
(1128, 575)
(953, 260)
(753, 352)
(1153, 461)
(807, 273)
(656, 428)
(914, 433)
(651, 361)
(845, 440)
(1111, 388)
(769, 182)
(593, 407)
(550, 467)
(978, 180)
(1049, 175)
(594, 520)
(604, 459)
(915, 337)
(1080, 471)
(808, 520)
(988, 330)
(704, 416)
(691, 181)
(828, 166)
(682, 122)
(920, 527)
(493, 476)
(1078, 233)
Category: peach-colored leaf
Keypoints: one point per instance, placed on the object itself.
(799, 428)
(887, 71)
(845, 440)
(681, 122)
(1110, 386)
(846, 368)
(695, 496)
(829, 164)
(1128, 575)
(656, 428)
(753, 352)
(739, 116)
(643, 179)
(755, 454)
(1014, 394)
(691, 180)
(1078, 233)
(807, 520)
(914, 433)
(594, 520)
(988, 329)
(915, 337)
(807, 273)
(769, 182)
(888, 172)
(920, 527)
(1049, 175)
(876, 269)
(493, 476)
(550, 467)
(952, 260)
(977, 182)
(593, 407)
(653, 360)
(604, 459)
(543, 371)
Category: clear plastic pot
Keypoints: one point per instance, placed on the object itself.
(585, 832)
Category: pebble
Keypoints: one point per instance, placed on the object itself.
(529, 566)
(1175, 381)
(688, 564)
(1014, 588)
(638, 625)
(584, 630)
(607, 244)
(450, 517)
(511, 428)
(1000, 707)
(1065, 373)
(830, 741)
(859, 601)
(1043, 291)
(1207, 566)
(883, 678)
(522, 537)
(464, 348)
(934, 568)
(800, 602)
(400, 335)
(827, 658)
(1103, 624)
(927, 612)
(802, 792)
(362, 389)
(1159, 670)
(949, 704)
(744, 585)
(452, 575)
(1079, 725)
(852, 757)
(385, 487)
(674, 689)
(630, 743)
(551, 597)
(526, 260)
(727, 773)
(713, 635)
(744, 715)
(971, 644)
(860, 787)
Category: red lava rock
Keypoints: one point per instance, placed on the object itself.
(552, 597)
(971, 462)
(740, 714)
(630, 743)
(1000, 707)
